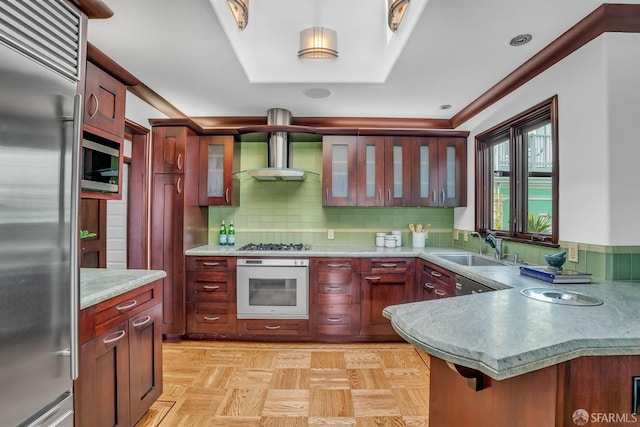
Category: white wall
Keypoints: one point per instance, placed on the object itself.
(598, 99)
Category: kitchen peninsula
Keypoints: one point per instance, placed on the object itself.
(500, 358)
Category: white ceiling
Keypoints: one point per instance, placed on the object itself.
(446, 52)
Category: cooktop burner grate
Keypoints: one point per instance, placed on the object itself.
(273, 247)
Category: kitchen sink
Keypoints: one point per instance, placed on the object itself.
(470, 260)
(555, 296)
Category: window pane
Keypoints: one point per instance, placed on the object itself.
(370, 159)
(538, 142)
(424, 172)
(451, 172)
(501, 185)
(340, 171)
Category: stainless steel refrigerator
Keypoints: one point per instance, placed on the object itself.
(39, 137)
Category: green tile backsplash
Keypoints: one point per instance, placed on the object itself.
(293, 212)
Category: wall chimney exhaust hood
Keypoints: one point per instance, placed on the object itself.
(279, 157)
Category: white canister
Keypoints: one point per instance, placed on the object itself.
(398, 237)
(419, 239)
(390, 241)
(380, 239)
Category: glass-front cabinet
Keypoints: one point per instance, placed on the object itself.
(338, 170)
(384, 171)
(439, 171)
(219, 159)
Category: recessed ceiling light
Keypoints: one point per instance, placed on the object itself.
(520, 40)
(445, 106)
(317, 92)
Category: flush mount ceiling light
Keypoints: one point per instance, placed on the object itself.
(318, 43)
(240, 11)
(520, 40)
(397, 8)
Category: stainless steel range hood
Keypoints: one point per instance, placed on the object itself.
(279, 157)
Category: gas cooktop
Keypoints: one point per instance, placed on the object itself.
(274, 247)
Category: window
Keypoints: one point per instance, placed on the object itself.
(517, 176)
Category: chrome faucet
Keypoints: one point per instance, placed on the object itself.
(476, 234)
(495, 243)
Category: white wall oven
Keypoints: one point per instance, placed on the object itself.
(272, 288)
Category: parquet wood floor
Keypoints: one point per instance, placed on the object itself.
(208, 383)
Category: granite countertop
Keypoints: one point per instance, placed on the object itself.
(502, 334)
(100, 284)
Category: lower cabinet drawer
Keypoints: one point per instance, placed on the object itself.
(337, 319)
(215, 318)
(273, 326)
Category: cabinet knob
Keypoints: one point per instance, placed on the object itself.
(127, 306)
(211, 287)
(212, 318)
(429, 286)
(142, 322)
(95, 103)
(440, 293)
(115, 337)
(180, 162)
(436, 274)
(442, 196)
(272, 327)
(179, 185)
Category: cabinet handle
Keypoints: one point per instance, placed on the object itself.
(380, 195)
(336, 288)
(326, 196)
(433, 196)
(436, 274)
(142, 322)
(389, 195)
(211, 287)
(212, 318)
(372, 277)
(337, 265)
(97, 104)
(388, 265)
(226, 195)
(441, 196)
(440, 293)
(429, 286)
(334, 319)
(127, 306)
(118, 336)
(179, 185)
(180, 162)
(210, 264)
(274, 327)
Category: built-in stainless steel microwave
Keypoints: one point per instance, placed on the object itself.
(100, 166)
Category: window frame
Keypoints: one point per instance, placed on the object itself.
(518, 208)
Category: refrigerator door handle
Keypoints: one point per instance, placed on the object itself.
(75, 230)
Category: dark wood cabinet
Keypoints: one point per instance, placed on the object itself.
(104, 101)
(120, 370)
(167, 218)
(384, 171)
(145, 361)
(211, 295)
(169, 145)
(274, 328)
(385, 282)
(439, 171)
(178, 222)
(335, 297)
(600, 385)
(219, 160)
(339, 170)
(434, 282)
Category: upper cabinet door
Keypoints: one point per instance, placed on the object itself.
(338, 170)
(219, 159)
(169, 143)
(371, 188)
(439, 172)
(104, 101)
(398, 169)
(452, 171)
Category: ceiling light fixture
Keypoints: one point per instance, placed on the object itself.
(240, 11)
(397, 8)
(318, 43)
(520, 40)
